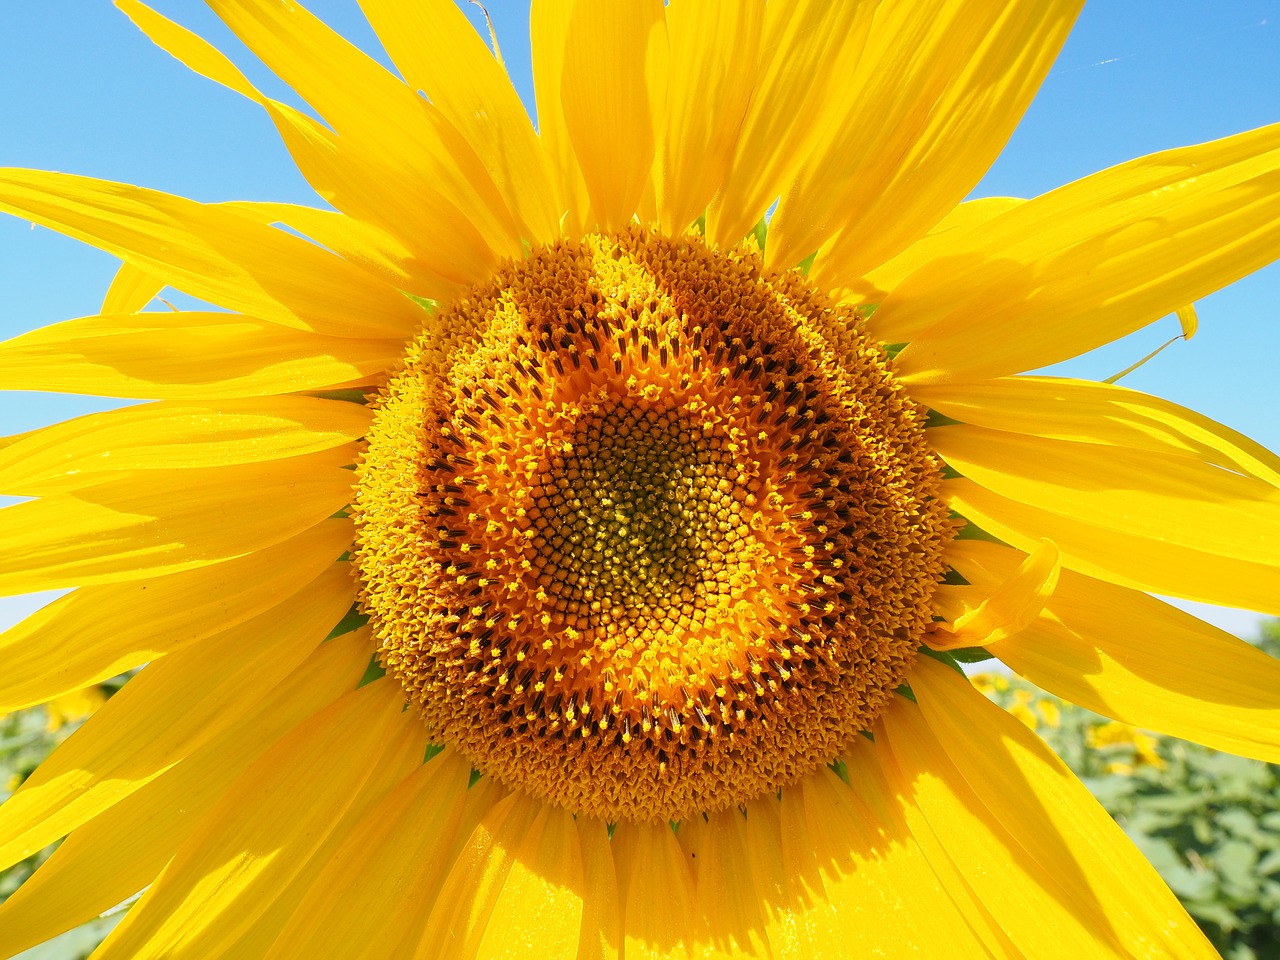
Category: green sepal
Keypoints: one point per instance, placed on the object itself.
(353, 619)
(943, 656)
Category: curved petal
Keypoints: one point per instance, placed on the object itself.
(939, 89)
(295, 804)
(806, 44)
(131, 290)
(1099, 413)
(1007, 607)
(1094, 260)
(158, 521)
(612, 90)
(187, 356)
(715, 46)
(173, 436)
(997, 776)
(439, 53)
(1158, 522)
(169, 710)
(122, 849)
(212, 252)
(98, 632)
(1133, 658)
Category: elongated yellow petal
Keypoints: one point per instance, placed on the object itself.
(186, 355)
(1009, 606)
(354, 240)
(715, 47)
(548, 27)
(956, 79)
(172, 436)
(1136, 659)
(1164, 523)
(1094, 260)
(439, 53)
(1099, 413)
(214, 253)
(1057, 822)
(391, 865)
(612, 89)
(423, 186)
(165, 713)
(158, 521)
(950, 234)
(121, 850)
(865, 765)
(131, 290)
(521, 871)
(719, 852)
(295, 803)
(864, 885)
(98, 632)
(807, 45)
(655, 894)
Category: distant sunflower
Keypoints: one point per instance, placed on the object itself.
(664, 461)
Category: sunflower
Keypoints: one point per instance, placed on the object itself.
(565, 544)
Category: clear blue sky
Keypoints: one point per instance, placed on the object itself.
(82, 91)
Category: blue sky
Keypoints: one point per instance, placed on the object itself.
(82, 91)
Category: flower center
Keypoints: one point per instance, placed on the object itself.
(645, 529)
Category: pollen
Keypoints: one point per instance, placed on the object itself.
(645, 529)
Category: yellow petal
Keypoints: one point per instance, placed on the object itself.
(951, 233)
(1009, 608)
(861, 886)
(169, 710)
(714, 51)
(655, 893)
(1138, 660)
(186, 355)
(519, 881)
(121, 850)
(1028, 791)
(612, 88)
(548, 27)
(866, 764)
(1164, 523)
(1188, 319)
(214, 253)
(390, 867)
(1094, 260)
(806, 44)
(355, 241)
(423, 186)
(258, 838)
(955, 79)
(1099, 413)
(438, 52)
(131, 290)
(172, 436)
(720, 853)
(98, 632)
(160, 521)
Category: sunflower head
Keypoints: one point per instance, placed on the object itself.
(647, 529)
